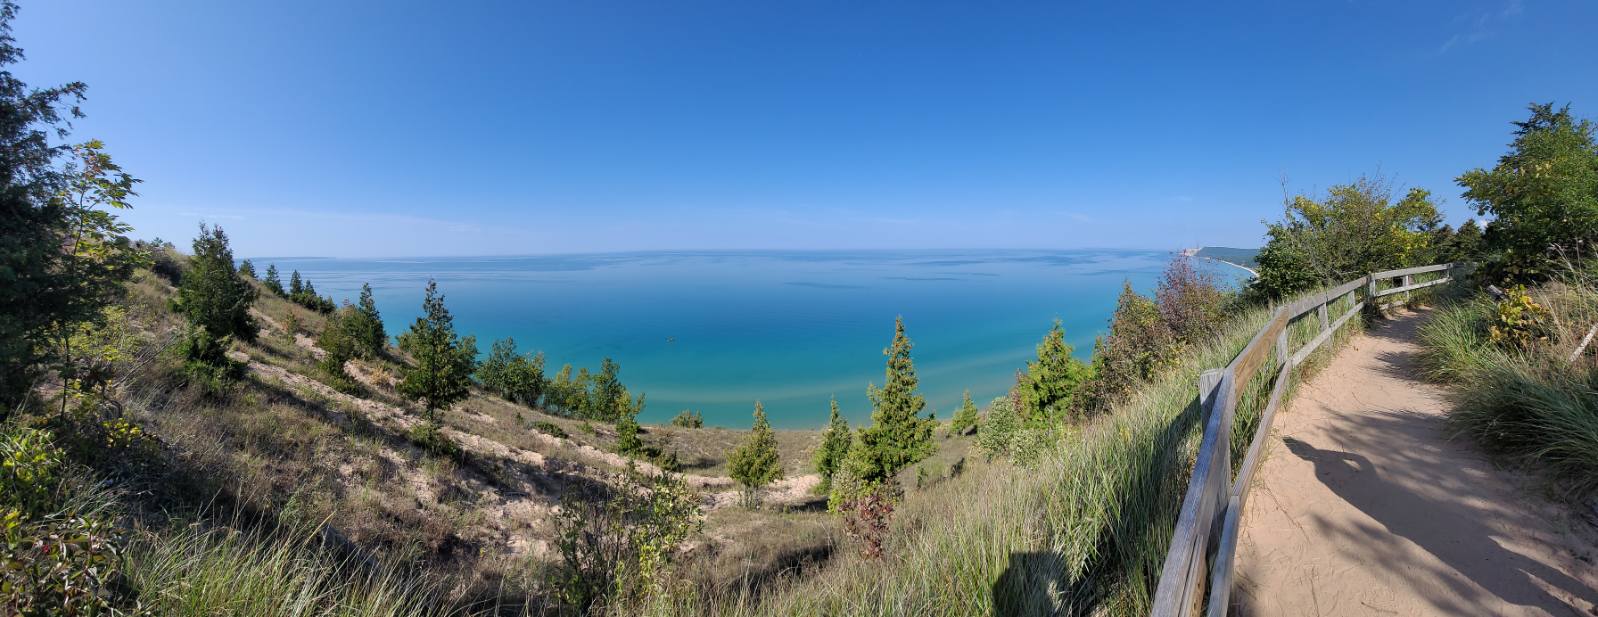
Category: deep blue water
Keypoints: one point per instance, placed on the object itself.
(715, 331)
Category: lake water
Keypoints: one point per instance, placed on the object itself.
(716, 331)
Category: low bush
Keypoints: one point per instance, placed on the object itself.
(616, 548)
(689, 419)
(431, 439)
(550, 428)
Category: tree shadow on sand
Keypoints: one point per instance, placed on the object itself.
(1464, 543)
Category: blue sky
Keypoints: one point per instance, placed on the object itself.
(388, 129)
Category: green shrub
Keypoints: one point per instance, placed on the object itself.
(30, 470)
(431, 439)
(1521, 321)
(58, 553)
(616, 548)
(666, 461)
(58, 565)
(689, 419)
(550, 428)
(627, 441)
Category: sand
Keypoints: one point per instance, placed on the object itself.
(1366, 506)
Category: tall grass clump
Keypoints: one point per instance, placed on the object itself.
(204, 571)
(1524, 398)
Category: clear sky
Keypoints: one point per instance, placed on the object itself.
(342, 128)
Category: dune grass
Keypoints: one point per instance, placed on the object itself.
(198, 571)
(1534, 406)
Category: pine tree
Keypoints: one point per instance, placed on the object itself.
(367, 325)
(627, 441)
(898, 435)
(1054, 379)
(608, 399)
(443, 362)
(966, 418)
(834, 447)
(272, 282)
(213, 296)
(756, 463)
(247, 268)
(338, 344)
(296, 285)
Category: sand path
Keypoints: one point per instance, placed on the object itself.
(1365, 506)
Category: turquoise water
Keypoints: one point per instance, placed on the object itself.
(716, 331)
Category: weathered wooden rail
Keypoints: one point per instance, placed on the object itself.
(1205, 541)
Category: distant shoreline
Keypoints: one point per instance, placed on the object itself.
(1252, 272)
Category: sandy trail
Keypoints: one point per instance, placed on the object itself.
(1365, 506)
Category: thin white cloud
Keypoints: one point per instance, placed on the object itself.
(1482, 25)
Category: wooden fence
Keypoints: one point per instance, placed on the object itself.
(1205, 541)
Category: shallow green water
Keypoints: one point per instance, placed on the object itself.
(715, 331)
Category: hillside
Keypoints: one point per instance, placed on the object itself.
(285, 447)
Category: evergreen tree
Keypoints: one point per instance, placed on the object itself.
(366, 325)
(338, 344)
(441, 373)
(296, 286)
(247, 268)
(272, 282)
(608, 399)
(898, 435)
(213, 296)
(756, 463)
(627, 441)
(1054, 379)
(36, 292)
(966, 418)
(834, 447)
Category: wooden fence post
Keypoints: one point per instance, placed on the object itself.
(1282, 349)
